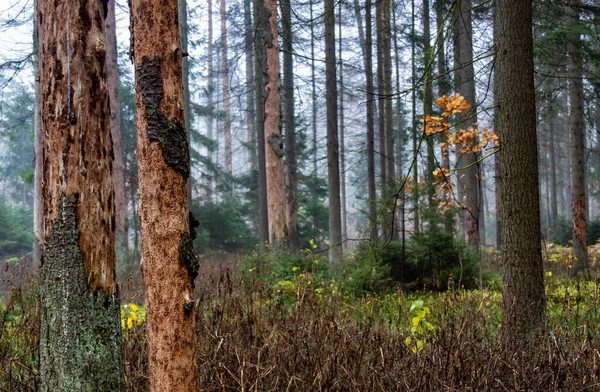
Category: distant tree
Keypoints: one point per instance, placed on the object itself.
(260, 60)
(579, 204)
(226, 97)
(112, 80)
(168, 262)
(80, 334)
(523, 299)
(333, 162)
(289, 121)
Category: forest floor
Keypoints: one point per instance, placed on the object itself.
(308, 333)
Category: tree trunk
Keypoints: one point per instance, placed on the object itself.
(226, 97)
(428, 109)
(273, 140)
(210, 88)
(578, 198)
(553, 187)
(290, 128)
(250, 109)
(80, 334)
(260, 64)
(112, 81)
(333, 164)
(314, 103)
(383, 177)
(367, 48)
(523, 298)
(342, 131)
(415, 135)
(38, 198)
(465, 81)
(169, 263)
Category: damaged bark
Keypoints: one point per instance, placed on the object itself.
(164, 167)
(80, 340)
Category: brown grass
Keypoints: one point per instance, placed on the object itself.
(249, 339)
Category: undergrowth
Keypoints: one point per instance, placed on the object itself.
(305, 328)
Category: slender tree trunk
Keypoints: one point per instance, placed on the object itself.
(342, 131)
(399, 138)
(185, 66)
(465, 82)
(553, 187)
(523, 300)
(367, 48)
(290, 129)
(80, 334)
(112, 81)
(314, 101)
(169, 264)
(260, 64)
(428, 108)
(250, 109)
(581, 263)
(211, 103)
(226, 96)
(383, 177)
(333, 164)
(38, 197)
(415, 134)
(273, 140)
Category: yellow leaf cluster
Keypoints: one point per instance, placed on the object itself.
(452, 105)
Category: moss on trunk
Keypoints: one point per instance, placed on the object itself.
(80, 342)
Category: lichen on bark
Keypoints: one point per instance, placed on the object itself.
(169, 133)
(80, 342)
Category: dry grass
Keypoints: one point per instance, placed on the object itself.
(254, 337)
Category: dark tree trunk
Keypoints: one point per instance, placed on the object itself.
(260, 64)
(80, 334)
(333, 163)
(38, 197)
(523, 283)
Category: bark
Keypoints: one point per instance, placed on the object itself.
(290, 129)
(523, 298)
(112, 81)
(38, 198)
(250, 109)
(578, 198)
(80, 339)
(465, 81)
(259, 69)
(226, 96)
(169, 263)
(342, 130)
(333, 164)
(273, 140)
(210, 88)
(497, 168)
(367, 49)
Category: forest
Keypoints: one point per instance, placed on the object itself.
(299, 195)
